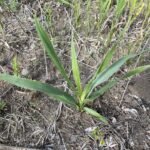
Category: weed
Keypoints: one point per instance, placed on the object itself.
(15, 66)
(81, 96)
(2, 105)
(103, 10)
(77, 12)
(2, 2)
(98, 136)
(88, 15)
(48, 14)
(13, 5)
(65, 2)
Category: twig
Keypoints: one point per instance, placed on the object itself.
(5, 147)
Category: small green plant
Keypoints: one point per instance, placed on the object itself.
(2, 105)
(13, 5)
(98, 136)
(77, 12)
(48, 14)
(15, 66)
(103, 10)
(88, 14)
(80, 95)
(1, 2)
(65, 2)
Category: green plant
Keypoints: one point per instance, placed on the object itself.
(103, 10)
(120, 6)
(88, 14)
(80, 95)
(48, 14)
(133, 9)
(1, 2)
(13, 5)
(15, 66)
(65, 2)
(2, 105)
(98, 136)
(77, 12)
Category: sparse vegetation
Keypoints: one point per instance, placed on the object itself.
(94, 45)
(2, 105)
(81, 95)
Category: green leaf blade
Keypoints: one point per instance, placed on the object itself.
(107, 73)
(51, 52)
(95, 114)
(65, 2)
(136, 71)
(104, 76)
(102, 90)
(39, 86)
(106, 60)
(120, 7)
(75, 67)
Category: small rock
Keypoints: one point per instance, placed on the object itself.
(130, 111)
(73, 138)
(90, 129)
(114, 120)
(24, 72)
(131, 143)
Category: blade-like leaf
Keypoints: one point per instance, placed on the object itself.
(75, 67)
(107, 73)
(102, 90)
(95, 114)
(50, 51)
(65, 2)
(102, 66)
(120, 6)
(39, 86)
(136, 71)
(104, 76)
(106, 60)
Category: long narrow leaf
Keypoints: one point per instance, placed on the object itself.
(102, 90)
(50, 51)
(136, 71)
(53, 92)
(65, 2)
(104, 76)
(95, 114)
(75, 67)
(106, 61)
(120, 6)
(109, 72)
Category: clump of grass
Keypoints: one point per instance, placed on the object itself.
(103, 10)
(80, 95)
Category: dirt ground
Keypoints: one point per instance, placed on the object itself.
(31, 119)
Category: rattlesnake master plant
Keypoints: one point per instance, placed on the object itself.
(81, 95)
